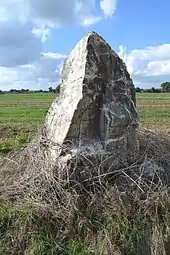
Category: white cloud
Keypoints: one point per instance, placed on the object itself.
(157, 68)
(40, 74)
(108, 7)
(42, 34)
(54, 13)
(26, 24)
(18, 45)
(90, 20)
(149, 66)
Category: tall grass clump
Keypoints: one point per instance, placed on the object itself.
(83, 210)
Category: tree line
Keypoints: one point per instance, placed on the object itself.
(27, 91)
(165, 87)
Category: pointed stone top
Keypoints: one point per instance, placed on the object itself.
(93, 34)
(91, 44)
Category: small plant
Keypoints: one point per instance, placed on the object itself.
(14, 143)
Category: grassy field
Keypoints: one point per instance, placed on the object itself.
(154, 111)
(56, 220)
(22, 114)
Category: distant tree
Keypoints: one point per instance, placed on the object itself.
(50, 89)
(165, 86)
(23, 91)
(153, 90)
(147, 90)
(13, 91)
(138, 89)
(158, 90)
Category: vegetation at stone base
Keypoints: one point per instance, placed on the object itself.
(31, 229)
(28, 229)
(43, 212)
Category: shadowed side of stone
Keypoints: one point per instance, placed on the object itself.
(95, 111)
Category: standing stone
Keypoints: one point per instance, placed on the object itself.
(95, 111)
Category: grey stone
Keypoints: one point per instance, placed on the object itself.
(95, 111)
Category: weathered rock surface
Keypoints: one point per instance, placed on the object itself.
(95, 111)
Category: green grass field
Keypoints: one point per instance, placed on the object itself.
(154, 111)
(22, 114)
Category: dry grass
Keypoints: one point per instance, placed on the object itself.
(125, 211)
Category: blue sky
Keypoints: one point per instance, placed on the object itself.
(136, 24)
(37, 35)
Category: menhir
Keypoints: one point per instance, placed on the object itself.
(95, 112)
